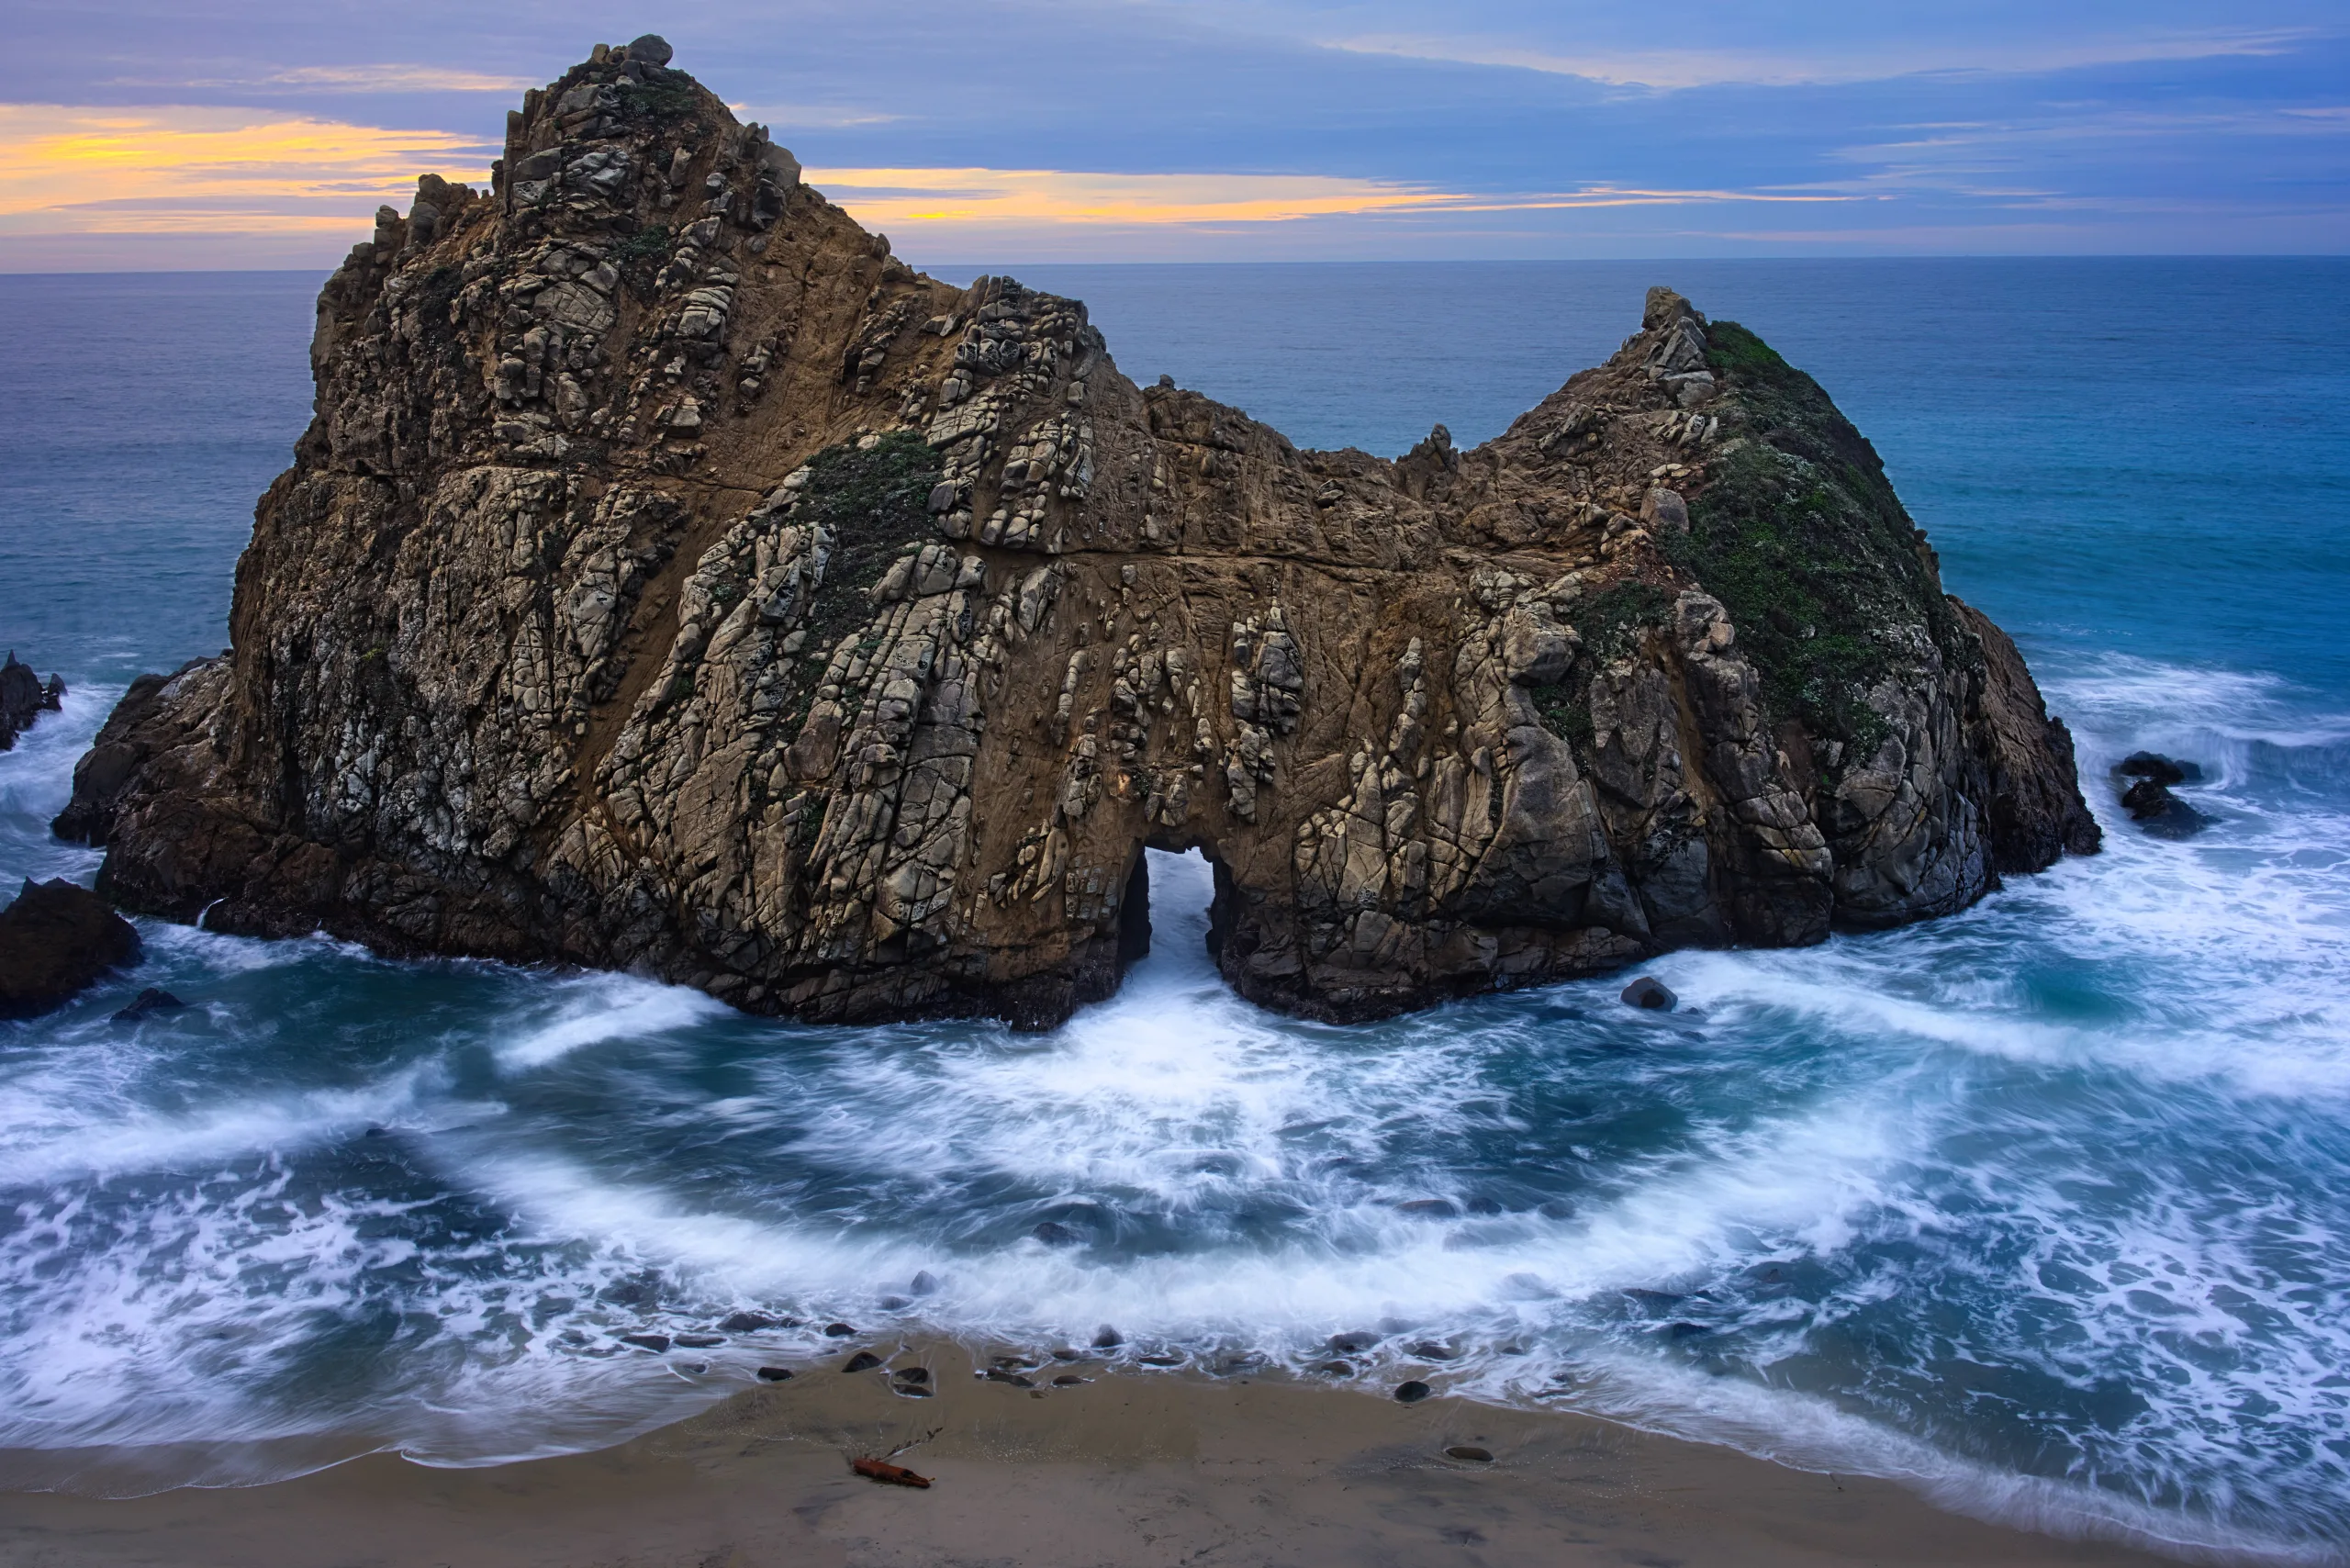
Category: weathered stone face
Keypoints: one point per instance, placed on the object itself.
(673, 579)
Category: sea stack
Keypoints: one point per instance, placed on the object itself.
(673, 579)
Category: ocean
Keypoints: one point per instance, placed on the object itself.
(2044, 1208)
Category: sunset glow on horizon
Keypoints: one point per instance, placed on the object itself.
(267, 137)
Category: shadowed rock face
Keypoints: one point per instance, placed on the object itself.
(56, 939)
(673, 579)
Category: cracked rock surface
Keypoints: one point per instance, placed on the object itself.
(672, 579)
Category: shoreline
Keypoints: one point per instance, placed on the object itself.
(1124, 1468)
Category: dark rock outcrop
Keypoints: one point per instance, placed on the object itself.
(1649, 993)
(2163, 770)
(672, 578)
(55, 940)
(24, 698)
(2143, 779)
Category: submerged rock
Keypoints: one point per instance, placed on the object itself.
(154, 999)
(672, 579)
(752, 1322)
(56, 939)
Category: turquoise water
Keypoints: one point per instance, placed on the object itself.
(2045, 1208)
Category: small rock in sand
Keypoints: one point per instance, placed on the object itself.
(775, 1374)
(1412, 1393)
(863, 1360)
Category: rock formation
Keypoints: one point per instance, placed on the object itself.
(55, 939)
(673, 579)
(24, 698)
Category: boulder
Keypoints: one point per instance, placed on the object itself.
(1649, 993)
(56, 939)
(651, 49)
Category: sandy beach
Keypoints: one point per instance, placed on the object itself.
(1148, 1470)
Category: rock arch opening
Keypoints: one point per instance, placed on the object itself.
(1169, 913)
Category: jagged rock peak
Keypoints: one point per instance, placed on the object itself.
(671, 578)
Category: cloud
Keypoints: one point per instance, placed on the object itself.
(307, 80)
(943, 199)
(811, 117)
(397, 79)
(175, 169)
(1671, 69)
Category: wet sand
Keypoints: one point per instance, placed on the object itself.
(1128, 1469)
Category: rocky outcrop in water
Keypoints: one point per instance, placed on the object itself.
(25, 697)
(673, 579)
(55, 939)
(2143, 781)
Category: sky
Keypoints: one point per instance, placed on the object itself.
(265, 134)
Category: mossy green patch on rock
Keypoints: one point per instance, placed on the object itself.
(659, 102)
(876, 505)
(1610, 622)
(1801, 537)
